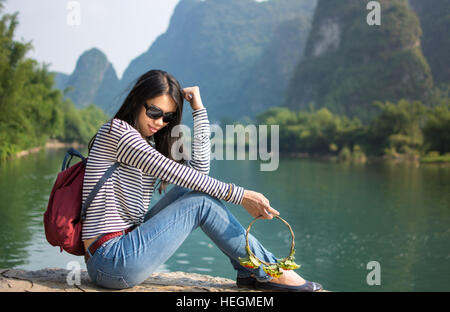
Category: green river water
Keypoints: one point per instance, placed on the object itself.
(343, 216)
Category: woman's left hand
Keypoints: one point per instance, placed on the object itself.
(192, 95)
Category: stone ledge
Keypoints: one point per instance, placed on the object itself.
(55, 280)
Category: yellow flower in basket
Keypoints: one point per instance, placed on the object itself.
(273, 269)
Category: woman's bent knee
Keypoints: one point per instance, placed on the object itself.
(212, 199)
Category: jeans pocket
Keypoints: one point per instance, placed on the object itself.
(110, 281)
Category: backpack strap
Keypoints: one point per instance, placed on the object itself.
(96, 188)
(70, 153)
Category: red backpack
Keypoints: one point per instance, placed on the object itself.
(65, 213)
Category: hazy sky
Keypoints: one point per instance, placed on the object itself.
(122, 29)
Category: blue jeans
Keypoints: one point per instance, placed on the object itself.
(128, 260)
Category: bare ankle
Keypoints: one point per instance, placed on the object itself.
(289, 278)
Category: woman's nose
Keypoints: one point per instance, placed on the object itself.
(159, 122)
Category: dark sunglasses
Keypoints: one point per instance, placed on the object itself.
(154, 112)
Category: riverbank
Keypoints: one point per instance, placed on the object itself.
(443, 160)
(50, 144)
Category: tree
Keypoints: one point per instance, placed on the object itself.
(398, 128)
(31, 109)
(437, 128)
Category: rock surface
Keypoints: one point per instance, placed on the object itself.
(55, 280)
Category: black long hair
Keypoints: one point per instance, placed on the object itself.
(152, 84)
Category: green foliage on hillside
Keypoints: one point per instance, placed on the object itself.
(94, 80)
(435, 21)
(407, 129)
(270, 75)
(31, 109)
(315, 132)
(348, 64)
(224, 45)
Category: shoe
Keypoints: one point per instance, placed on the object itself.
(306, 287)
(245, 282)
(251, 282)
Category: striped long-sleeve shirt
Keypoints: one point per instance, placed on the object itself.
(125, 197)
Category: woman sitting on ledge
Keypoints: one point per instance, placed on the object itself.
(124, 241)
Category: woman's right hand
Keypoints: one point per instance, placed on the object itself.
(192, 95)
(258, 205)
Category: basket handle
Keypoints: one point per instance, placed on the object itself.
(248, 246)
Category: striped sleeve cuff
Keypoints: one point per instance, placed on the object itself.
(237, 195)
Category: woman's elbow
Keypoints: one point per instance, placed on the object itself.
(202, 167)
